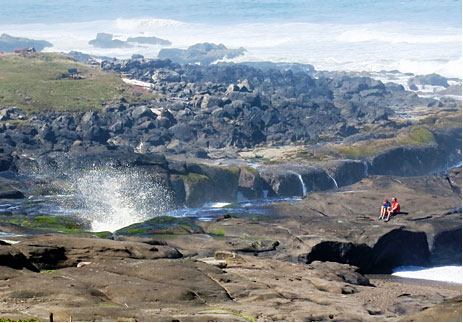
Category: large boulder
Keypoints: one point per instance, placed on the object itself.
(347, 172)
(430, 79)
(59, 251)
(203, 184)
(282, 182)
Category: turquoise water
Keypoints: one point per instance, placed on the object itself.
(442, 12)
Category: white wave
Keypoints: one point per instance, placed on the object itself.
(368, 47)
(216, 205)
(451, 274)
(368, 34)
(145, 24)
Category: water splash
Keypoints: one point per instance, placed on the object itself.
(451, 274)
(111, 198)
(304, 188)
(103, 198)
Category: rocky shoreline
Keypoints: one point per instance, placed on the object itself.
(236, 134)
(266, 269)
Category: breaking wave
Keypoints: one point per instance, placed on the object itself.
(328, 46)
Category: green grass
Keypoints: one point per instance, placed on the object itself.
(443, 119)
(219, 232)
(417, 136)
(32, 82)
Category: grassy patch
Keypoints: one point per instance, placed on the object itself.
(34, 82)
(443, 119)
(47, 271)
(219, 232)
(417, 136)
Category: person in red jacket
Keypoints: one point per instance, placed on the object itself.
(394, 209)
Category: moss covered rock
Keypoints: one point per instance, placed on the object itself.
(161, 225)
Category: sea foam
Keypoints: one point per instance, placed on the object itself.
(328, 46)
(450, 274)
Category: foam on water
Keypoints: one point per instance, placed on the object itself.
(450, 274)
(327, 46)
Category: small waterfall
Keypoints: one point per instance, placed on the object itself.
(334, 181)
(240, 197)
(304, 188)
(366, 169)
(265, 193)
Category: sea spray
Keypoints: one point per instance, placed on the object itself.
(104, 197)
(111, 198)
(451, 274)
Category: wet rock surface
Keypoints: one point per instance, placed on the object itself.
(304, 260)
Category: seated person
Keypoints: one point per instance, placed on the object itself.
(394, 209)
(384, 208)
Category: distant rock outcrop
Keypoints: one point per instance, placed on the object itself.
(10, 43)
(205, 53)
(104, 40)
(431, 79)
(148, 40)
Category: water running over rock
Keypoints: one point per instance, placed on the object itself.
(334, 181)
(304, 188)
(366, 168)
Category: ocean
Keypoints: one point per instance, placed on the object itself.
(418, 36)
